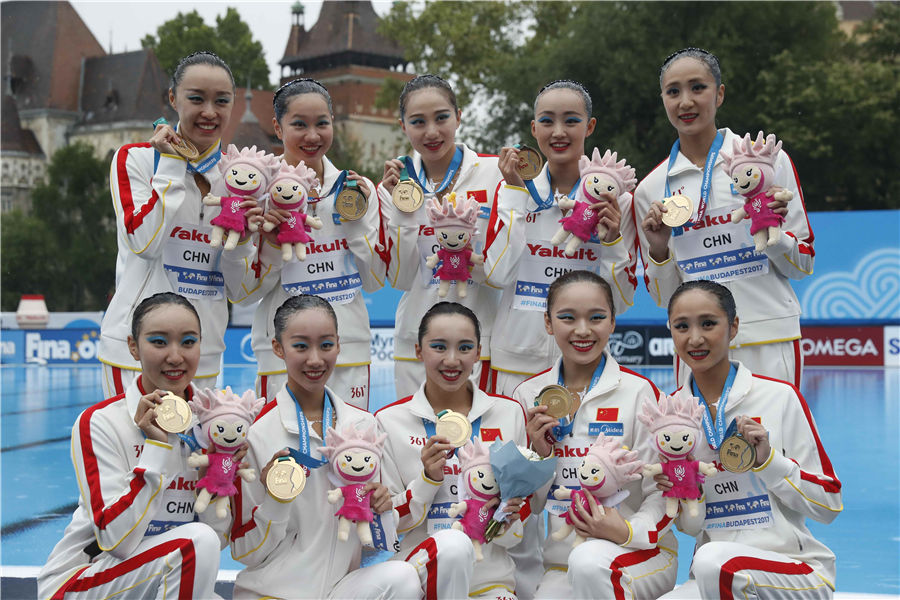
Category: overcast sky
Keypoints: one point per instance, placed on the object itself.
(121, 24)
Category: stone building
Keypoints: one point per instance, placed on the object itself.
(60, 86)
(345, 53)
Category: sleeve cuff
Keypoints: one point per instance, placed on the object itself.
(156, 456)
(274, 509)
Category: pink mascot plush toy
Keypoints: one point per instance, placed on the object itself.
(355, 458)
(598, 175)
(225, 419)
(752, 169)
(476, 480)
(289, 191)
(675, 422)
(246, 173)
(454, 225)
(606, 468)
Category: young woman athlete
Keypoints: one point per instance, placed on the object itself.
(713, 247)
(630, 550)
(430, 116)
(416, 468)
(163, 227)
(752, 539)
(521, 261)
(134, 531)
(340, 262)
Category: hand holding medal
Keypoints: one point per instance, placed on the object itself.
(160, 413)
(283, 478)
(747, 447)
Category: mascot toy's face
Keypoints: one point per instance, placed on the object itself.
(592, 475)
(453, 239)
(481, 481)
(356, 465)
(746, 178)
(244, 177)
(287, 192)
(675, 442)
(595, 184)
(228, 434)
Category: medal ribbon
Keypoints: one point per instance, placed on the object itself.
(706, 185)
(545, 203)
(335, 188)
(716, 433)
(565, 424)
(448, 176)
(302, 455)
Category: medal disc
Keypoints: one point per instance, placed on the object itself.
(530, 163)
(557, 399)
(736, 454)
(351, 204)
(286, 479)
(679, 209)
(186, 149)
(453, 426)
(173, 414)
(408, 196)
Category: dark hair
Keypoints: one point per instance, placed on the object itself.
(567, 84)
(420, 82)
(580, 276)
(151, 302)
(448, 308)
(296, 304)
(296, 87)
(707, 58)
(203, 57)
(721, 293)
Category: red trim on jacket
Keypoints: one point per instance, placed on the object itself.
(131, 219)
(748, 563)
(832, 484)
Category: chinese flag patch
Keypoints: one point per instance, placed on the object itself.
(608, 414)
(479, 195)
(490, 434)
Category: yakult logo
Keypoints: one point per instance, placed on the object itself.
(190, 235)
(556, 252)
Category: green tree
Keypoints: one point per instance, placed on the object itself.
(231, 39)
(785, 67)
(66, 249)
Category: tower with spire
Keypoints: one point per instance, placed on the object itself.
(345, 53)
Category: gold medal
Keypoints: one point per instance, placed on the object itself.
(173, 414)
(557, 399)
(679, 209)
(351, 203)
(453, 426)
(736, 454)
(286, 479)
(530, 163)
(186, 149)
(407, 196)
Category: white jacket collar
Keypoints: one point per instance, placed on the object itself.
(420, 407)
(743, 381)
(609, 379)
(287, 410)
(682, 163)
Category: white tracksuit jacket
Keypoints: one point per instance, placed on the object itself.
(519, 234)
(798, 476)
(290, 549)
(341, 245)
(158, 221)
(414, 493)
(131, 489)
(409, 240)
(613, 405)
(767, 304)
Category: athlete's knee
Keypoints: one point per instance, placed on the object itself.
(401, 578)
(707, 563)
(454, 549)
(588, 559)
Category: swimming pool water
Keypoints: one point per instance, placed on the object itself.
(857, 412)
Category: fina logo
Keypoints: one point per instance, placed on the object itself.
(871, 291)
(620, 342)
